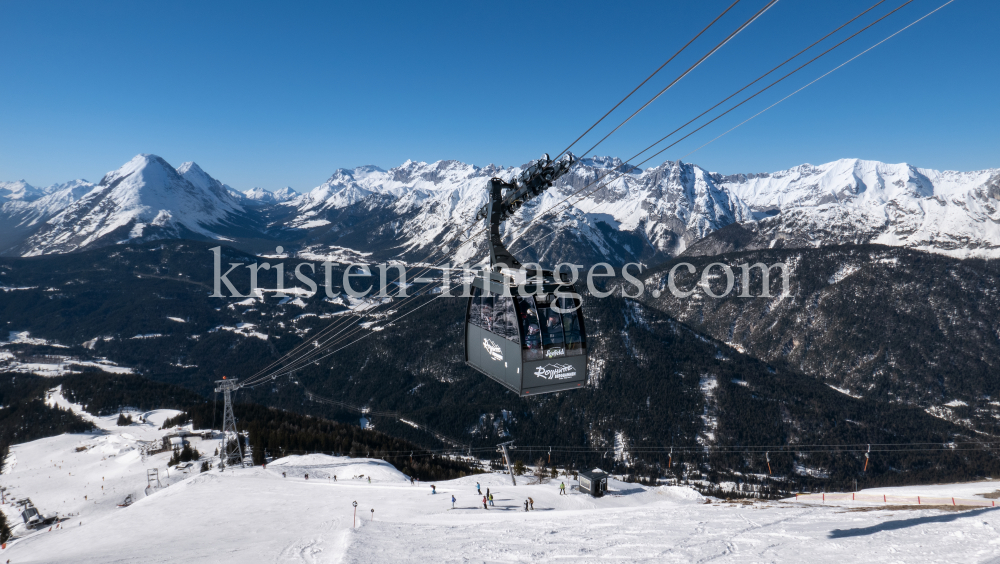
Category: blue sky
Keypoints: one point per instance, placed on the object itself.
(274, 94)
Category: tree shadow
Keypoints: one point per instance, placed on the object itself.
(904, 523)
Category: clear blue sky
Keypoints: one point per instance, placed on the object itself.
(283, 93)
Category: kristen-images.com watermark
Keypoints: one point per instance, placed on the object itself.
(356, 280)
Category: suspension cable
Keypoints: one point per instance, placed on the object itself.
(820, 78)
(619, 174)
(622, 101)
(685, 73)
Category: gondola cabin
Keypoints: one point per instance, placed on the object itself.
(529, 337)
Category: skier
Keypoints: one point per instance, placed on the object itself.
(283, 475)
(484, 503)
(334, 477)
(434, 489)
(478, 491)
(453, 501)
(307, 476)
(532, 503)
(525, 505)
(562, 488)
(411, 480)
(491, 499)
(369, 479)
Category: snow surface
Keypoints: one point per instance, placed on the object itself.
(257, 515)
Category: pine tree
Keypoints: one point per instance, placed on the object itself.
(519, 468)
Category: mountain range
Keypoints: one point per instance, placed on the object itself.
(621, 215)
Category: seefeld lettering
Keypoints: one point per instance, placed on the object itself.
(494, 349)
(552, 353)
(555, 371)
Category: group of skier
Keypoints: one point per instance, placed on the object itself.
(529, 504)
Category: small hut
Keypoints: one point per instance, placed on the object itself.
(594, 482)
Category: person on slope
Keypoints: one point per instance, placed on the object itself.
(434, 489)
(453, 501)
(525, 505)
(491, 499)
(531, 502)
(369, 479)
(478, 491)
(484, 503)
(562, 488)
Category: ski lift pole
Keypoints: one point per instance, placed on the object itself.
(355, 504)
(506, 458)
(767, 457)
(866, 458)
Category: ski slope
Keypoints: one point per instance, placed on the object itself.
(276, 515)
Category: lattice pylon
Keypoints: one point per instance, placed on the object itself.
(231, 451)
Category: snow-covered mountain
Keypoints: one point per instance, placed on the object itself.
(623, 215)
(650, 215)
(263, 196)
(144, 199)
(661, 212)
(858, 201)
(19, 190)
(24, 208)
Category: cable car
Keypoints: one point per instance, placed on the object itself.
(524, 328)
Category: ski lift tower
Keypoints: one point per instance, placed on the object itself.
(504, 448)
(230, 452)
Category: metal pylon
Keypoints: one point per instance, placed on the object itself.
(502, 447)
(230, 452)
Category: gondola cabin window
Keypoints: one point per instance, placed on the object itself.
(530, 324)
(495, 314)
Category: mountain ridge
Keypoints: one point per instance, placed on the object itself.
(624, 215)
